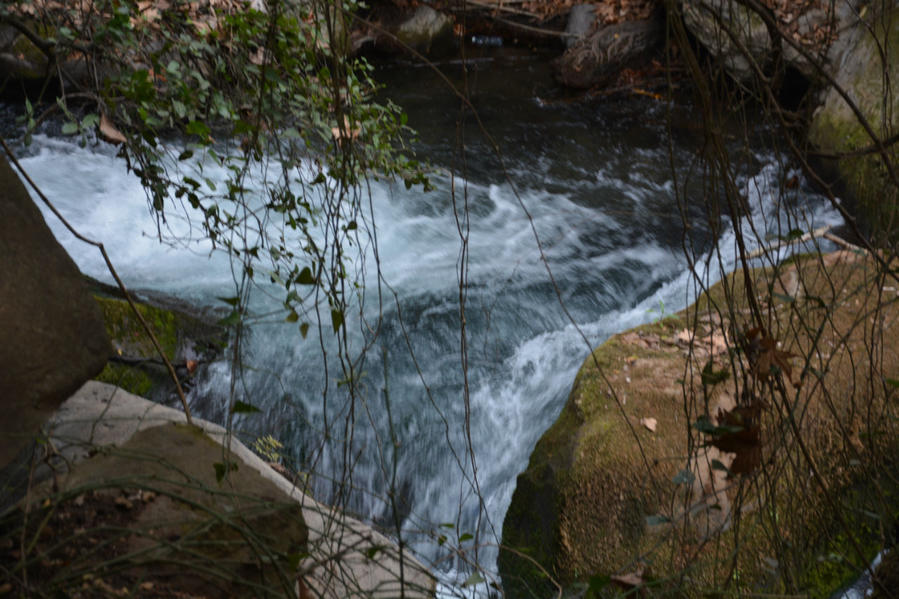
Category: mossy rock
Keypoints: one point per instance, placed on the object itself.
(20, 59)
(182, 335)
(605, 495)
(856, 166)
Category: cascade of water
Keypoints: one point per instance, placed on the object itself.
(602, 202)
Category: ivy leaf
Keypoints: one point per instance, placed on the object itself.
(305, 277)
(718, 465)
(711, 377)
(597, 583)
(221, 469)
(474, 579)
(231, 319)
(336, 319)
(241, 407)
(684, 477)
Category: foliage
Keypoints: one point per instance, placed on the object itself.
(265, 98)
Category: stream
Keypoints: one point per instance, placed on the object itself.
(596, 180)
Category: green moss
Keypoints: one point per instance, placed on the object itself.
(23, 47)
(174, 329)
(133, 380)
(836, 129)
(127, 333)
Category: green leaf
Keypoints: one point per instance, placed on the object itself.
(465, 537)
(684, 477)
(305, 277)
(704, 425)
(197, 128)
(597, 583)
(784, 298)
(893, 383)
(231, 319)
(711, 377)
(718, 465)
(231, 301)
(292, 317)
(304, 329)
(294, 559)
(336, 319)
(794, 234)
(474, 579)
(90, 121)
(371, 552)
(241, 407)
(70, 128)
(222, 469)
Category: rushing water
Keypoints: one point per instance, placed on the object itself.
(596, 180)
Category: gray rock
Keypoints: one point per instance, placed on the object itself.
(426, 30)
(703, 19)
(53, 334)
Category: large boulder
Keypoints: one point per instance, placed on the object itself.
(595, 60)
(729, 31)
(624, 483)
(426, 30)
(135, 497)
(53, 334)
(865, 63)
(739, 39)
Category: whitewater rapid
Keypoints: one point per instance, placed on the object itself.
(616, 259)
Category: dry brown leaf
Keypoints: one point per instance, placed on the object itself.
(629, 580)
(109, 132)
(650, 424)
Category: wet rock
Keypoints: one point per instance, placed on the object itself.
(53, 334)
(426, 30)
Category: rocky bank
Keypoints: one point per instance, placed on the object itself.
(635, 478)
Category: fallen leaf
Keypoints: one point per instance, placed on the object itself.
(123, 503)
(629, 580)
(649, 423)
(742, 436)
(109, 132)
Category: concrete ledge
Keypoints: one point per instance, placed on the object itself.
(338, 565)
